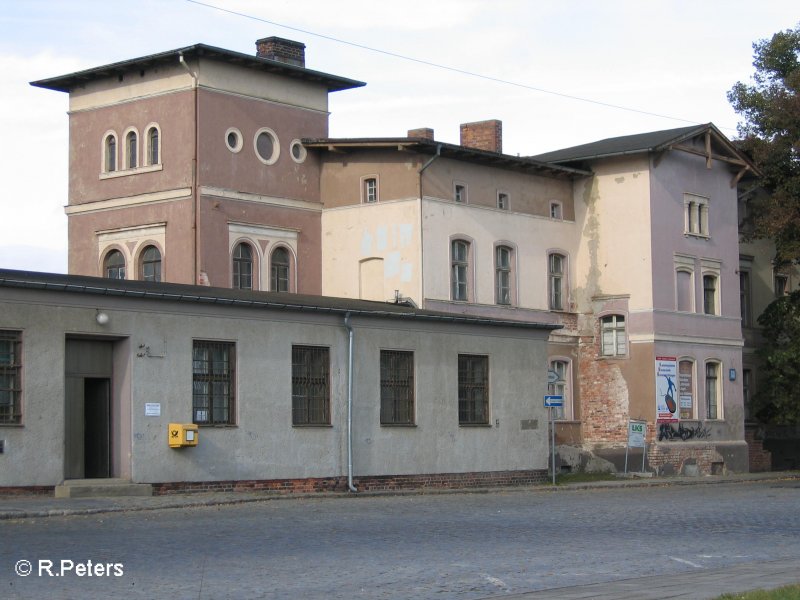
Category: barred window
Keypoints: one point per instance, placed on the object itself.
(311, 385)
(473, 389)
(397, 387)
(214, 385)
(10, 377)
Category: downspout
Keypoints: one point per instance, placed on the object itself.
(427, 164)
(195, 191)
(349, 328)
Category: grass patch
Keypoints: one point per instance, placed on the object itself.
(790, 592)
(580, 477)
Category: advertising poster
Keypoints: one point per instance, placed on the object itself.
(667, 409)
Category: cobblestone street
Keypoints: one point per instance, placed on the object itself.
(417, 546)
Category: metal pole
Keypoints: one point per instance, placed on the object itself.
(627, 447)
(553, 441)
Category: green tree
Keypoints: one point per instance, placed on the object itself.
(778, 398)
(770, 134)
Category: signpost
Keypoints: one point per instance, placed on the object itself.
(636, 439)
(552, 401)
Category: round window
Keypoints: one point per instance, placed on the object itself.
(267, 147)
(233, 139)
(298, 152)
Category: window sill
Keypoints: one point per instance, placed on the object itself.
(700, 236)
(136, 171)
(18, 425)
(406, 425)
(615, 357)
(217, 425)
(312, 426)
(475, 425)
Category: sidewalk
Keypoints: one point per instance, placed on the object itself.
(26, 507)
(695, 586)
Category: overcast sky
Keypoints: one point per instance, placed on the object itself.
(672, 58)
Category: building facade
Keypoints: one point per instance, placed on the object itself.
(95, 371)
(630, 244)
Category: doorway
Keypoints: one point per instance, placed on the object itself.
(88, 409)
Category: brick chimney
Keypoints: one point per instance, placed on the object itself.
(422, 132)
(282, 50)
(483, 135)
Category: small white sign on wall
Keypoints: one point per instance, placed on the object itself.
(152, 409)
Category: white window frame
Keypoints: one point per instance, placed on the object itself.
(720, 415)
(619, 335)
(510, 270)
(104, 162)
(503, 200)
(556, 210)
(695, 215)
(365, 198)
(146, 162)
(460, 197)
(296, 143)
(467, 265)
(239, 140)
(562, 277)
(276, 146)
(126, 150)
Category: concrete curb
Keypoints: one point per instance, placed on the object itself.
(54, 507)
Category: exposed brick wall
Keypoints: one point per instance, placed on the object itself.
(281, 49)
(604, 394)
(759, 459)
(483, 135)
(30, 490)
(422, 132)
(673, 456)
(339, 484)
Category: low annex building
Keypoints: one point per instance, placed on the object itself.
(95, 372)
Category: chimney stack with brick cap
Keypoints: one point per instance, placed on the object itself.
(483, 135)
(282, 50)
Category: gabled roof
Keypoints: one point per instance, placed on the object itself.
(426, 146)
(616, 146)
(66, 83)
(195, 294)
(657, 141)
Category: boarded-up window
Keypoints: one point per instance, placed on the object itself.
(686, 389)
(685, 291)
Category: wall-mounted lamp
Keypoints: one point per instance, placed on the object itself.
(101, 318)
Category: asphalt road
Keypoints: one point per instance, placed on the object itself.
(421, 546)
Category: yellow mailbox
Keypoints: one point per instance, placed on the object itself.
(182, 434)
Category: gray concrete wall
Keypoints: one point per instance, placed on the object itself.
(264, 444)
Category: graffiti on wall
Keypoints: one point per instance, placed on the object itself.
(667, 431)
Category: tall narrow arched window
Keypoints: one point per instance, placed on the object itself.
(114, 265)
(459, 270)
(153, 150)
(556, 266)
(131, 147)
(710, 294)
(110, 153)
(150, 267)
(502, 274)
(243, 267)
(279, 270)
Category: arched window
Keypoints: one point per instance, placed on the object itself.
(556, 264)
(114, 265)
(279, 270)
(459, 270)
(110, 153)
(561, 387)
(131, 147)
(153, 148)
(150, 267)
(243, 267)
(502, 274)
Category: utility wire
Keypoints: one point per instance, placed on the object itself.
(448, 68)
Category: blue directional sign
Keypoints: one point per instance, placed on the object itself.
(553, 401)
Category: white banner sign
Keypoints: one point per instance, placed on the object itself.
(667, 409)
(636, 431)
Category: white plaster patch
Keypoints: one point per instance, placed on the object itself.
(406, 234)
(382, 238)
(391, 266)
(366, 243)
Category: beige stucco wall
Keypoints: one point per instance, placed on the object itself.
(531, 237)
(352, 237)
(612, 211)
